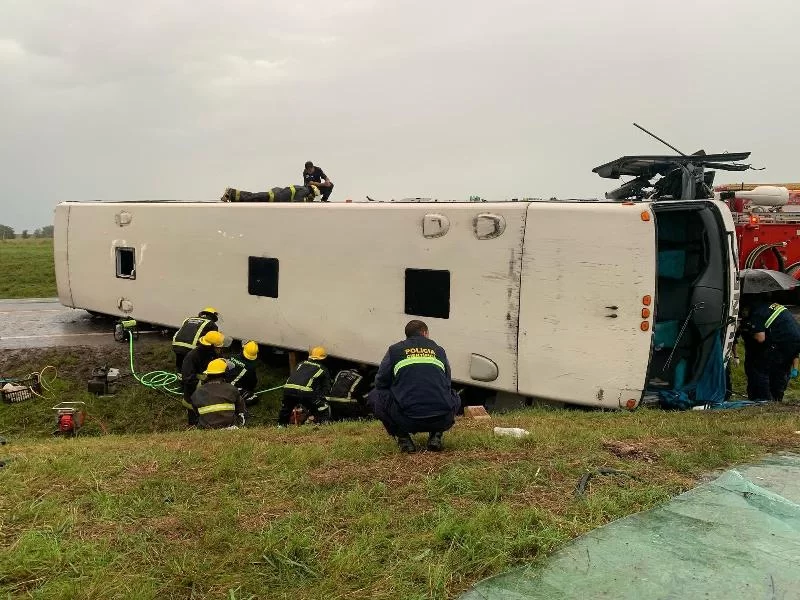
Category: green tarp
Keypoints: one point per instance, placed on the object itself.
(735, 537)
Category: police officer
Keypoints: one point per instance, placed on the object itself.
(308, 386)
(412, 390)
(193, 328)
(218, 403)
(194, 365)
(242, 372)
(315, 176)
(772, 342)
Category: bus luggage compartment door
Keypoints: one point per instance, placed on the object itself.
(588, 282)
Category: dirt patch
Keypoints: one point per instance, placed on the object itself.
(631, 450)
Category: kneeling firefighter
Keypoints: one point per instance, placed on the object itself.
(242, 374)
(308, 386)
(208, 348)
(186, 338)
(218, 403)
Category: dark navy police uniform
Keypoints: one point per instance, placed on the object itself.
(316, 177)
(412, 389)
(767, 365)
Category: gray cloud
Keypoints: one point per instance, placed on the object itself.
(121, 100)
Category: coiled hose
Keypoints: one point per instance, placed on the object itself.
(166, 381)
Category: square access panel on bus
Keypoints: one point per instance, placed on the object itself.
(262, 276)
(428, 293)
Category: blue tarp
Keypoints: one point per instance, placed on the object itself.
(709, 390)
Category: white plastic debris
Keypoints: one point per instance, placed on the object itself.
(516, 432)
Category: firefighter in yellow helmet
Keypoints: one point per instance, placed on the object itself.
(218, 403)
(308, 386)
(196, 362)
(186, 338)
(242, 372)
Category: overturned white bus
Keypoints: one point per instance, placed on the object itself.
(548, 300)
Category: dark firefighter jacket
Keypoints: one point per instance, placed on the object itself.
(217, 403)
(243, 374)
(293, 193)
(193, 366)
(418, 374)
(310, 377)
(193, 329)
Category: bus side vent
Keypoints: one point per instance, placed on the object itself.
(123, 218)
(435, 225)
(488, 226)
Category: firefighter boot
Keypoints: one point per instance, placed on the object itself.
(406, 444)
(435, 443)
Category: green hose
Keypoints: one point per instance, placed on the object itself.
(155, 380)
(164, 380)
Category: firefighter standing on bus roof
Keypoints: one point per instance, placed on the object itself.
(218, 404)
(308, 386)
(194, 365)
(192, 329)
(772, 343)
(242, 372)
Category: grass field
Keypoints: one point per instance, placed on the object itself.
(327, 512)
(26, 269)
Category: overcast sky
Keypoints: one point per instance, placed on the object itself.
(179, 99)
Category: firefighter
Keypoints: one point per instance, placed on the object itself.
(242, 372)
(315, 176)
(308, 386)
(208, 348)
(218, 403)
(293, 193)
(193, 328)
(348, 393)
(772, 343)
(412, 390)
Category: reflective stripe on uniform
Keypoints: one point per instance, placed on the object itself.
(212, 408)
(291, 187)
(271, 196)
(421, 360)
(197, 334)
(238, 193)
(775, 312)
(308, 387)
(294, 386)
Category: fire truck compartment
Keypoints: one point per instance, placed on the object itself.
(691, 299)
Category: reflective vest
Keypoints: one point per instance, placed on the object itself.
(304, 376)
(190, 332)
(345, 384)
(777, 309)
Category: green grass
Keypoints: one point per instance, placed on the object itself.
(326, 512)
(27, 269)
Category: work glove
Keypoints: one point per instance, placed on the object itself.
(795, 373)
(241, 419)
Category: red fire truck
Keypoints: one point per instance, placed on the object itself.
(767, 220)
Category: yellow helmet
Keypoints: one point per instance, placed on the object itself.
(250, 350)
(210, 311)
(213, 338)
(217, 366)
(318, 353)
